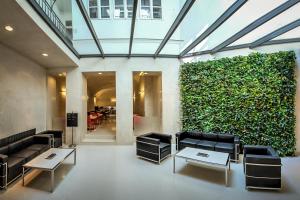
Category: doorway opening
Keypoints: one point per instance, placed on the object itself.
(101, 107)
(147, 102)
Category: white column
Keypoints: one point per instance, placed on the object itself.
(124, 106)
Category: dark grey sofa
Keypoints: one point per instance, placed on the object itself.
(210, 141)
(262, 167)
(20, 148)
(153, 146)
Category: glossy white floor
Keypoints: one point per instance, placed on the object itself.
(112, 172)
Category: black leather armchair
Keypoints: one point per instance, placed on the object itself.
(153, 146)
(56, 137)
(262, 167)
(18, 149)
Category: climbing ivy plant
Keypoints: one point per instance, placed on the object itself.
(250, 96)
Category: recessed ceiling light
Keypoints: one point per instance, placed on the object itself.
(9, 28)
(44, 54)
(100, 73)
(60, 74)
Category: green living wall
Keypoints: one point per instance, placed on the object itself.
(250, 96)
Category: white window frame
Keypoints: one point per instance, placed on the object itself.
(151, 10)
(97, 6)
(100, 10)
(125, 10)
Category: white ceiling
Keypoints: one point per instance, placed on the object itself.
(28, 39)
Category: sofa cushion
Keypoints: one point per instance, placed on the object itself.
(224, 147)
(38, 147)
(28, 154)
(4, 150)
(57, 142)
(163, 146)
(13, 161)
(210, 136)
(15, 147)
(194, 135)
(27, 141)
(188, 142)
(205, 144)
(226, 138)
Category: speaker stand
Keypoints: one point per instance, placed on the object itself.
(72, 145)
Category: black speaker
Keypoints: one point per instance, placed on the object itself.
(72, 119)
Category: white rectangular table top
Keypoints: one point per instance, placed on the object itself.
(214, 157)
(42, 163)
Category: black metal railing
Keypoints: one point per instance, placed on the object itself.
(55, 20)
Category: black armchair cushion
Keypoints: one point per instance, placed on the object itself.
(164, 147)
(224, 147)
(55, 133)
(204, 144)
(226, 138)
(188, 142)
(39, 147)
(3, 142)
(27, 154)
(210, 136)
(256, 150)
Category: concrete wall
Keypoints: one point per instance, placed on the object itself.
(23, 103)
(124, 68)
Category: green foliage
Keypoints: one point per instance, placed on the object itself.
(250, 96)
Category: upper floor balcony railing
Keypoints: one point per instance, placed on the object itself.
(46, 11)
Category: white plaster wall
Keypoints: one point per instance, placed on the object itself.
(51, 103)
(124, 68)
(23, 103)
(266, 49)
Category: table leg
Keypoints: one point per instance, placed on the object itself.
(174, 164)
(23, 174)
(226, 176)
(75, 157)
(52, 180)
(229, 165)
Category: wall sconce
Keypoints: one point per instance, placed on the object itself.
(113, 99)
(63, 92)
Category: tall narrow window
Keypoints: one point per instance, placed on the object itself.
(145, 9)
(129, 8)
(157, 9)
(93, 8)
(119, 9)
(105, 11)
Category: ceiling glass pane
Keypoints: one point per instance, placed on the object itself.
(248, 13)
(200, 17)
(150, 32)
(279, 21)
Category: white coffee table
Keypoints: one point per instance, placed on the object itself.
(40, 162)
(206, 158)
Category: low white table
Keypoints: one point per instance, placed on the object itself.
(206, 158)
(40, 162)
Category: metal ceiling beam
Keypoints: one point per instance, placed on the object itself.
(126, 55)
(242, 46)
(132, 26)
(270, 15)
(275, 33)
(228, 13)
(184, 10)
(90, 25)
